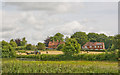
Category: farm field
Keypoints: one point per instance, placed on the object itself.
(18, 66)
(58, 52)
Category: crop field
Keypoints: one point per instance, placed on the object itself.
(18, 66)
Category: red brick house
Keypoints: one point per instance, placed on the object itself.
(53, 44)
(94, 46)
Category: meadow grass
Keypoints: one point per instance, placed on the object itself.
(18, 66)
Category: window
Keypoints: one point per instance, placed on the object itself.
(85, 46)
(98, 46)
(95, 46)
(90, 46)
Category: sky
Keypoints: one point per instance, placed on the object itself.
(37, 20)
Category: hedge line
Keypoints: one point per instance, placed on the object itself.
(61, 57)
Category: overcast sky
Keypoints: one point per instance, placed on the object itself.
(37, 20)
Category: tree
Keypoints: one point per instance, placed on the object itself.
(66, 38)
(40, 46)
(13, 44)
(81, 37)
(58, 36)
(60, 46)
(109, 42)
(23, 42)
(71, 47)
(92, 37)
(101, 38)
(116, 41)
(46, 42)
(18, 42)
(29, 47)
(7, 50)
(12, 40)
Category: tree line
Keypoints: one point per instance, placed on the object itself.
(72, 45)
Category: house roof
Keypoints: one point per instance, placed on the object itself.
(94, 44)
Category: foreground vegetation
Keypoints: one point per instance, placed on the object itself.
(17, 66)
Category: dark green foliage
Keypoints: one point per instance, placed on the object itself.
(20, 42)
(13, 44)
(40, 46)
(81, 37)
(23, 42)
(7, 50)
(29, 47)
(57, 36)
(71, 47)
(92, 37)
(60, 46)
(117, 41)
(46, 41)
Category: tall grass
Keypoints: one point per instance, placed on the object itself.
(11, 66)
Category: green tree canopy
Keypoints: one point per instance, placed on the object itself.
(57, 36)
(7, 50)
(60, 47)
(40, 46)
(71, 47)
(23, 42)
(29, 47)
(81, 37)
(13, 44)
(92, 37)
(116, 41)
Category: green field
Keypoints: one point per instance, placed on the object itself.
(18, 66)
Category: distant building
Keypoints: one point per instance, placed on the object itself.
(53, 44)
(94, 46)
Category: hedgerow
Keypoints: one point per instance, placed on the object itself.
(90, 57)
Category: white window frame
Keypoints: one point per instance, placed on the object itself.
(95, 46)
(90, 46)
(98, 46)
(85, 46)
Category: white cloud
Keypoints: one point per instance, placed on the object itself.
(36, 21)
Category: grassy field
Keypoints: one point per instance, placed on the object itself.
(17, 66)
